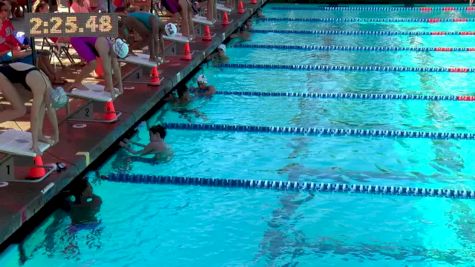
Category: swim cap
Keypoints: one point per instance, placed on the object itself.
(222, 47)
(202, 79)
(121, 48)
(58, 97)
(170, 29)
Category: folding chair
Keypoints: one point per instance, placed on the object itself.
(57, 49)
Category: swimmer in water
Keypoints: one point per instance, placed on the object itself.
(155, 147)
(180, 104)
(203, 88)
(219, 57)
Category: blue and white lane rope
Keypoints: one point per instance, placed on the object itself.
(292, 186)
(346, 68)
(347, 96)
(319, 131)
(334, 32)
(345, 20)
(355, 48)
(378, 8)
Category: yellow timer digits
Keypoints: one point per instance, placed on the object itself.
(71, 24)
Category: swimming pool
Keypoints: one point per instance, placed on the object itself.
(171, 225)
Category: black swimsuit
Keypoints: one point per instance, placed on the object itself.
(16, 76)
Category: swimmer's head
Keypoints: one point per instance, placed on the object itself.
(171, 29)
(202, 79)
(222, 49)
(59, 98)
(121, 48)
(182, 91)
(160, 130)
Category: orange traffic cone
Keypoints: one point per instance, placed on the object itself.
(187, 55)
(110, 113)
(225, 18)
(253, 2)
(241, 7)
(207, 34)
(38, 170)
(154, 77)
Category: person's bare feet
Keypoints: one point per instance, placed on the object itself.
(47, 140)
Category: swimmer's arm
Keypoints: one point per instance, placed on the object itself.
(137, 144)
(147, 150)
(210, 91)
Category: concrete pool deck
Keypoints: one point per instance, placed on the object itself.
(79, 148)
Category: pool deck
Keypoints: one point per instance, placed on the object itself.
(79, 148)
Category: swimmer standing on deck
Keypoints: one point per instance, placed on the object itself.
(156, 147)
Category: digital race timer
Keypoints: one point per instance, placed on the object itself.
(71, 24)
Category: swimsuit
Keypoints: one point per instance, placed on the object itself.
(85, 46)
(16, 76)
(172, 5)
(143, 17)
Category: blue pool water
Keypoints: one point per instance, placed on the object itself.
(168, 225)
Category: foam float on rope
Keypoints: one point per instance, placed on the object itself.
(346, 68)
(356, 48)
(345, 20)
(320, 131)
(334, 32)
(353, 96)
(292, 186)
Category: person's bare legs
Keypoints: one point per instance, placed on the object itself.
(155, 40)
(38, 90)
(186, 20)
(161, 32)
(117, 72)
(11, 95)
(103, 48)
(211, 10)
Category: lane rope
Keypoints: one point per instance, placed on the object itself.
(334, 32)
(399, 20)
(319, 131)
(346, 68)
(291, 186)
(352, 96)
(355, 48)
(373, 8)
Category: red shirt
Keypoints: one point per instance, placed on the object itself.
(7, 37)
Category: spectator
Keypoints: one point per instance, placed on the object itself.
(45, 99)
(80, 6)
(10, 48)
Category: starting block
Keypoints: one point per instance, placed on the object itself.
(179, 38)
(140, 59)
(97, 95)
(202, 20)
(204, 29)
(223, 8)
(19, 143)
